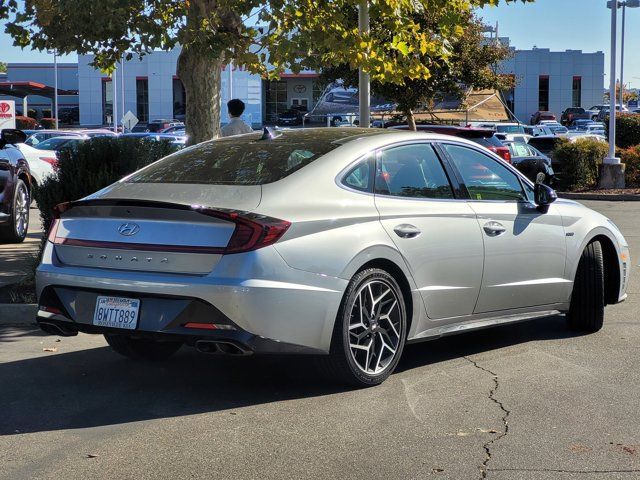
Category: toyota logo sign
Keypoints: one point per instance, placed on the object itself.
(4, 107)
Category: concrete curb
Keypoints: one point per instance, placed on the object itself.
(18, 314)
(622, 197)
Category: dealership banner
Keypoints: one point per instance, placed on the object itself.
(339, 99)
(7, 114)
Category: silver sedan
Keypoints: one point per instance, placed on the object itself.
(342, 243)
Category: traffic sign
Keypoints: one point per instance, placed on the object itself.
(129, 120)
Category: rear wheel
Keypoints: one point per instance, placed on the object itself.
(15, 231)
(586, 312)
(370, 330)
(142, 349)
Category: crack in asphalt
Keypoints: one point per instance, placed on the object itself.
(553, 470)
(492, 396)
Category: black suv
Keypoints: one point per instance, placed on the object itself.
(15, 188)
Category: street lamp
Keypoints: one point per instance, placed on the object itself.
(55, 84)
(624, 4)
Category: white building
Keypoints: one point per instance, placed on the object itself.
(152, 90)
(553, 81)
(545, 81)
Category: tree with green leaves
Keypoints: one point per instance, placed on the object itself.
(470, 64)
(297, 34)
(3, 67)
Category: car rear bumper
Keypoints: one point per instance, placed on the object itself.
(272, 307)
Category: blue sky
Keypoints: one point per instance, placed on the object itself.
(555, 24)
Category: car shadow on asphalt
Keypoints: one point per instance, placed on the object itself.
(96, 387)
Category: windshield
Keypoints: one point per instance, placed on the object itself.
(54, 143)
(509, 128)
(247, 159)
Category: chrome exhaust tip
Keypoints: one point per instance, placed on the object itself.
(216, 347)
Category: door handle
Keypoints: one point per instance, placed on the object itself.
(407, 231)
(493, 229)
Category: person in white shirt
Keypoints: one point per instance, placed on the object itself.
(235, 126)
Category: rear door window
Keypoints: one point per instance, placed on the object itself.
(411, 171)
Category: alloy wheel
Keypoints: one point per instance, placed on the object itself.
(22, 211)
(375, 327)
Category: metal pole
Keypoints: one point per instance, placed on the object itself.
(230, 79)
(55, 86)
(122, 87)
(611, 159)
(364, 85)
(624, 10)
(114, 102)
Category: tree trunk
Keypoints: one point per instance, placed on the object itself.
(411, 120)
(201, 77)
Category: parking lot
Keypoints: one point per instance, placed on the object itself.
(526, 401)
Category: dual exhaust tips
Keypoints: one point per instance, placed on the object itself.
(218, 347)
(214, 347)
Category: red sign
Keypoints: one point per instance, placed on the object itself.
(5, 110)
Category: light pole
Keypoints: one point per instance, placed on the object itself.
(611, 158)
(363, 77)
(55, 85)
(625, 4)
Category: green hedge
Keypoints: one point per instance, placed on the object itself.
(627, 130)
(580, 162)
(93, 165)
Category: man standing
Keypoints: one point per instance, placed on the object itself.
(235, 126)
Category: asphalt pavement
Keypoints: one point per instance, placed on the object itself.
(525, 401)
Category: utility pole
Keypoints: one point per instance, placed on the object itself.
(55, 86)
(364, 84)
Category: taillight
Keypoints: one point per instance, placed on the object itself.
(50, 160)
(252, 231)
(503, 152)
(57, 211)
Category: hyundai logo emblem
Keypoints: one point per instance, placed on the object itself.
(128, 229)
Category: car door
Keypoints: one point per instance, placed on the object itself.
(524, 249)
(437, 234)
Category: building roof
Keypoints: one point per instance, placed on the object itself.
(23, 89)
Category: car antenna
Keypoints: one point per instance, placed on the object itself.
(269, 134)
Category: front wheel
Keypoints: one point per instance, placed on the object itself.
(15, 231)
(586, 312)
(141, 349)
(370, 330)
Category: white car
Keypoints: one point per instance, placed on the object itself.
(42, 163)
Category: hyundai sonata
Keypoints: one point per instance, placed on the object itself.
(342, 243)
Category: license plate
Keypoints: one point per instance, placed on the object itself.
(116, 312)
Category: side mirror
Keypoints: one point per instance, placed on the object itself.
(12, 136)
(544, 195)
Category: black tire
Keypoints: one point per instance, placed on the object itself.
(14, 231)
(142, 349)
(586, 313)
(341, 364)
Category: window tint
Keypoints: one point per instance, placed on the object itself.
(411, 171)
(247, 160)
(359, 177)
(484, 177)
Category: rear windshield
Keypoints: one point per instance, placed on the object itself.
(247, 159)
(491, 141)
